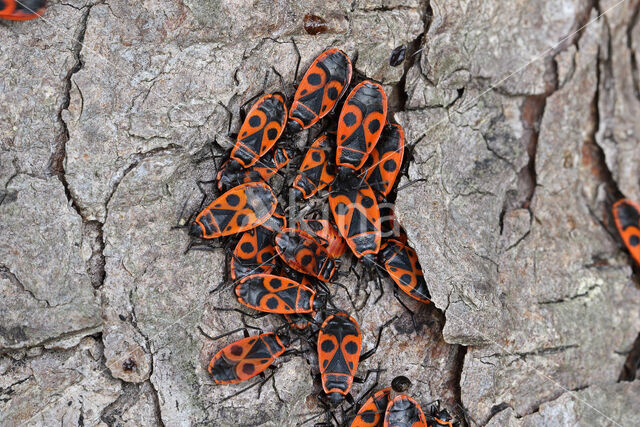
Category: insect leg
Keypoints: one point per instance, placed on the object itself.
(369, 353)
(295, 47)
(381, 287)
(411, 313)
(260, 383)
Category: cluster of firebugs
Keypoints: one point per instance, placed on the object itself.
(284, 269)
(359, 165)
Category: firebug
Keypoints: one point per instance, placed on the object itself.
(320, 89)
(242, 208)
(361, 121)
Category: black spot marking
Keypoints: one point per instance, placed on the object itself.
(349, 119)
(327, 346)
(374, 125)
(367, 202)
(325, 363)
(351, 347)
(266, 256)
(246, 247)
(306, 260)
(342, 209)
(272, 303)
(368, 417)
(275, 283)
(351, 366)
(242, 220)
(303, 92)
(389, 165)
(248, 368)
(316, 157)
(405, 279)
(254, 121)
(233, 200)
(332, 93)
(236, 350)
(314, 79)
(633, 240)
(272, 134)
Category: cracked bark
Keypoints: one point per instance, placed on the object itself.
(92, 229)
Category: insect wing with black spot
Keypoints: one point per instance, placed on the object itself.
(261, 129)
(305, 254)
(245, 358)
(240, 209)
(626, 214)
(339, 344)
(275, 294)
(371, 414)
(254, 253)
(320, 89)
(357, 216)
(316, 171)
(385, 160)
(401, 262)
(361, 121)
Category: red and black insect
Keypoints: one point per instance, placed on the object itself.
(385, 160)
(316, 171)
(326, 234)
(361, 121)
(391, 227)
(301, 322)
(403, 411)
(437, 417)
(356, 213)
(22, 10)
(339, 343)
(261, 129)
(626, 214)
(263, 170)
(401, 262)
(242, 208)
(246, 358)
(371, 414)
(254, 253)
(320, 89)
(303, 253)
(276, 294)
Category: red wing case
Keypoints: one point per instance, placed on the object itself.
(240, 209)
(626, 214)
(339, 344)
(261, 129)
(320, 89)
(361, 121)
(245, 358)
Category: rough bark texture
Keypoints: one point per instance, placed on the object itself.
(529, 112)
